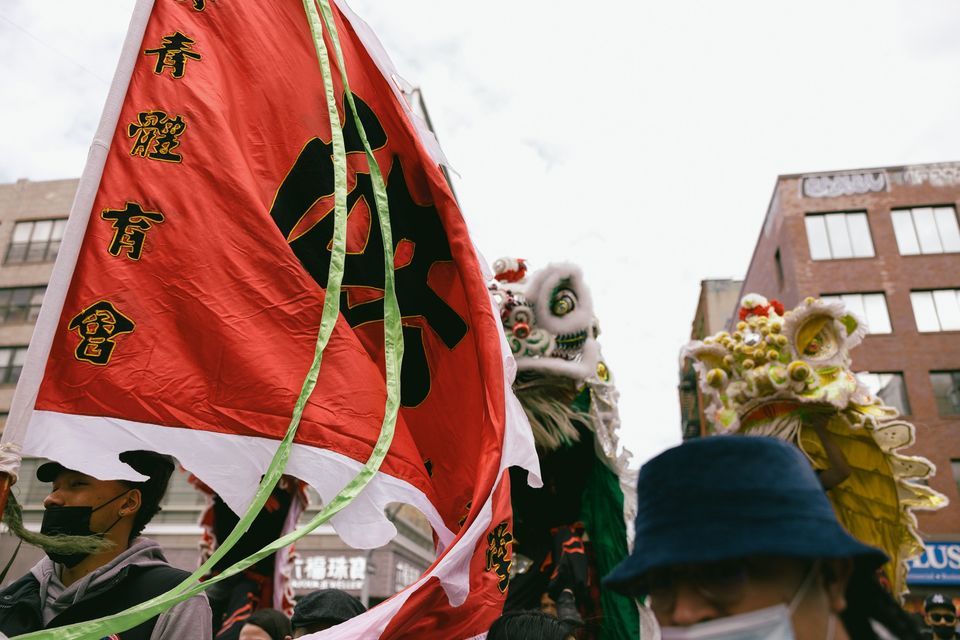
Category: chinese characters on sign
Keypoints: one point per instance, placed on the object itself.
(404, 575)
(499, 554)
(98, 326)
(329, 572)
(130, 227)
(173, 53)
(156, 135)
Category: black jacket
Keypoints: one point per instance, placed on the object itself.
(21, 608)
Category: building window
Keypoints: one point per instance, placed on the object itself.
(11, 363)
(839, 235)
(889, 387)
(872, 307)
(35, 241)
(20, 304)
(926, 230)
(946, 391)
(937, 310)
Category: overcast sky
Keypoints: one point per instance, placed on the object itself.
(640, 140)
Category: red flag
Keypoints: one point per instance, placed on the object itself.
(191, 282)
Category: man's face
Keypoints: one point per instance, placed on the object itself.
(940, 618)
(547, 605)
(685, 596)
(75, 489)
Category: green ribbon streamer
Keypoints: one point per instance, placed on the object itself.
(393, 347)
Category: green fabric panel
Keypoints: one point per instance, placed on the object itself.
(602, 514)
(582, 402)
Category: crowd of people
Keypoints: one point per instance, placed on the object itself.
(314, 612)
(734, 538)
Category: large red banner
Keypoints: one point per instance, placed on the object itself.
(190, 319)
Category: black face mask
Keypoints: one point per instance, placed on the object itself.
(72, 521)
(943, 631)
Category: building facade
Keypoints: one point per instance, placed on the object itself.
(887, 243)
(32, 218)
(717, 303)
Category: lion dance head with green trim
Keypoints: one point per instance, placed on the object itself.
(779, 373)
(568, 394)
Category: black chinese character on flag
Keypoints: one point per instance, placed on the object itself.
(156, 135)
(300, 210)
(130, 227)
(499, 554)
(173, 53)
(98, 326)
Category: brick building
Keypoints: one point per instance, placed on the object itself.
(32, 219)
(717, 303)
(886, 242)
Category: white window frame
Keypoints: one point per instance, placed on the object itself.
(867, 305)
(955, 389)
(35, 241)
(936, 310)
(846, 235)
(926, 230)
(12, 312)
(876, 381)
(11, 364)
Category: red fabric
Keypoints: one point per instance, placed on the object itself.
(761, 310)
(225, 315)
(428, 615)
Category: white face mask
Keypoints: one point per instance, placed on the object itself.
(771, 623)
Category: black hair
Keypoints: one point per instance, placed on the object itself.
(158, 469)
(868, 601)
(275, 623)
(529, 625)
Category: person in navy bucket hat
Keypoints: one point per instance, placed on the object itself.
(735, 538)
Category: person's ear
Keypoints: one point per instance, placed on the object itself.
(836, 576)
(131, 503)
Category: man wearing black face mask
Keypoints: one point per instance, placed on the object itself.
(65, 588)
(940, 616)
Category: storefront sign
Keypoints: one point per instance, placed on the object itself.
(404, 575)
(939, 564)
(329, 572)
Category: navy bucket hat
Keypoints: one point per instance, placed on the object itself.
(325, 606)
(725, 497)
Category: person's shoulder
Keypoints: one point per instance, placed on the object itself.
(191, 618)
(160, 577)
(25, 583)
(20, 606)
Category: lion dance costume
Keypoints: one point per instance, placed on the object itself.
(573, 530)
(781, 372)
